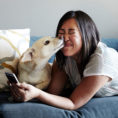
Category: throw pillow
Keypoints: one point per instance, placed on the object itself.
(12, 44)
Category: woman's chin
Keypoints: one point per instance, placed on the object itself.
(67, 53)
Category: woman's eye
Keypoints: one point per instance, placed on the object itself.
(60, 35)
(72, 32)
(47, 42)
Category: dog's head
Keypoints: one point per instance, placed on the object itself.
(43, 49)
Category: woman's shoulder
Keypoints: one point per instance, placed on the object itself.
(103, 58)
(101, 47)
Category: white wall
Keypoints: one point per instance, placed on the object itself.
(42, 16)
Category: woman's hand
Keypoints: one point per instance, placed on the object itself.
(23, 92)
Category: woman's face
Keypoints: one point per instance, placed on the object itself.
(72, 38)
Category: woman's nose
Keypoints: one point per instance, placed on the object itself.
(66, 37)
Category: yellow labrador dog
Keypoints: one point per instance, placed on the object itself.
(33, 67)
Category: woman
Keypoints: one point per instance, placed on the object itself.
(86, 62)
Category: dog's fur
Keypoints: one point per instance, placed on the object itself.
(9, 66)
(33, 66)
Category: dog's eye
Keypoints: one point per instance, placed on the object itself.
(47, 42)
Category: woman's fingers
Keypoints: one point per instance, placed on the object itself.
(23, 86)
(22, 91)
(17, 93)
(14, 92)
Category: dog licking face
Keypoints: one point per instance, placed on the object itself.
(33, 67)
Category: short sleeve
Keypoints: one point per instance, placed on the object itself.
(103, 62)
(95, 66)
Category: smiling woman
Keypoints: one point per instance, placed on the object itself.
(71, 34)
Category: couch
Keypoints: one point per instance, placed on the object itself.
(105, 107)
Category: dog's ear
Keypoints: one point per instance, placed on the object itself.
(28, 55)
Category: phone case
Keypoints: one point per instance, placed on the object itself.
(11, 77)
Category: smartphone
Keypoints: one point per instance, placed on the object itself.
(11, 77)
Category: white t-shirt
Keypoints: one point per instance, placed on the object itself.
(104, 61)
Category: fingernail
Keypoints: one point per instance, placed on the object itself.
(10, 84)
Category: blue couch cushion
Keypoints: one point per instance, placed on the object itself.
(96, 108)
(100, 108)
(113, 43)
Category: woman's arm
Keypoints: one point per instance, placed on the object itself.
(80, 96)
(58, 80)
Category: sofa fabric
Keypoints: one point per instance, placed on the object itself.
(105, 107)
(95, 108)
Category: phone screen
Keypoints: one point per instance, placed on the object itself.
(11, 77)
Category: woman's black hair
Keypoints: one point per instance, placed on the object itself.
(89, 35)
